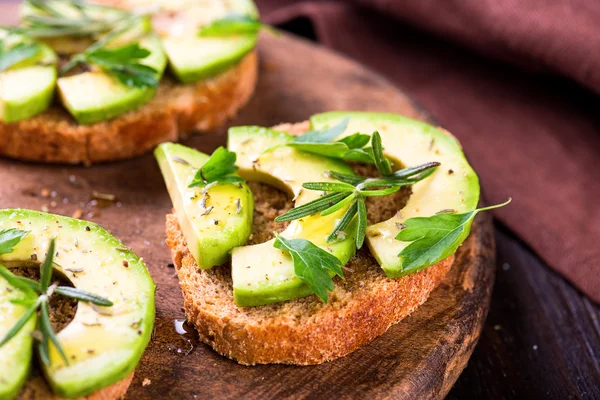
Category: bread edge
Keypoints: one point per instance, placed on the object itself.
(311, 343)
(176, 111)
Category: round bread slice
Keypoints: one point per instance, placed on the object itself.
(302, 331)
(175, 111)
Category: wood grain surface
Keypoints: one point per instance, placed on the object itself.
(419, 358)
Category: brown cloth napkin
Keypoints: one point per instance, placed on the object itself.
(528, 129)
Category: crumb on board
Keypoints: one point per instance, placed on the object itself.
(146, 382)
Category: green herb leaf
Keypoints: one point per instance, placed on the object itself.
(347, 148)
(26, 302)
(435, 238)
(124, 64)
(346, 178)
(311, 264)
(48, 332)
(343, 222)
(313, 207)
(359, 155)
(355, 141)
(325, 135)
(414, 171)
(17, 53)
(235, 24)
(82, 295)
(361, 228)
(381, 162)
(329, 186)
(47, 267)
(339, 205)
(380, 192)
(218, 168)
(73, 18)
(9, 238)
(19, 324)
(26, 285)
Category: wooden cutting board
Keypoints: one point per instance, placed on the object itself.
(421, 357)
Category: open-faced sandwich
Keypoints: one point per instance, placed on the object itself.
(300, 243)
(84, 82)
(76, 307)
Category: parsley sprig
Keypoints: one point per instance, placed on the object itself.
(321, 142)
(435, 238)
(72, 18)
(352, 190)
(37, 296)
(121, 62)
(235, 24)
(219, 168)
(311, 264)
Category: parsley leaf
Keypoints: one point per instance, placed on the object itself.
(435, 238)
(235, 24)
(12, 55)
(312, 264)
(122, 62)
(9, 238)
(219, 168)
(325, 135)
(348, 148)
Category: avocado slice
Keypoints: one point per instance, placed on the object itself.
(26, 89)
(103, 345)
(192, 58)
(195, 58)
(97, 96)
(213, 220)
(453, 186)
(15, 355)
(261, 273)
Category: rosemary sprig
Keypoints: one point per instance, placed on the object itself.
(37, 296)
(352, 190)
(72, 18)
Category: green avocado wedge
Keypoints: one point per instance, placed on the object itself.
(96, 96)
(103, 345)
(27, 88)
(453, 186)
(196, 58)
(213, 219)
(16, 354)
(192, 57)
(261, 273)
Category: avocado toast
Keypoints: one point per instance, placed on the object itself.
(302, 288)
(95, 352)
(124, 78)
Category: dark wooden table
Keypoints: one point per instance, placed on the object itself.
(541, 338)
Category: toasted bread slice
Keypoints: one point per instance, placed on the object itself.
(302, 331)
(36, 388)
(176, 110)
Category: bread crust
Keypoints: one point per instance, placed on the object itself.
(176, 110)
(301, 331)
(36, 388)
